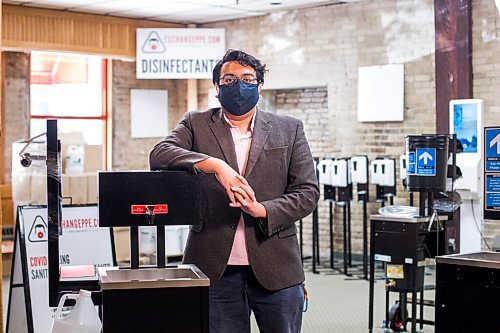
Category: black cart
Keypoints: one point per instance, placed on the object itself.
(169, 299)
(401, 244)
(165, 298)
(468, 292)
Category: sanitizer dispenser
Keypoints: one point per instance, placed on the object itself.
(325, 171)
(359, 169)
(388, 175)
(340, 173)
(383, 172)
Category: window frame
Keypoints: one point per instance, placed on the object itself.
(104, 117)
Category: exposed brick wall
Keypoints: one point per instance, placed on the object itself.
(310, 105)
(486, 71)
(128, 153)
(16, 103)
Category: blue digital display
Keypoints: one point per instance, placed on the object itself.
(465, 126)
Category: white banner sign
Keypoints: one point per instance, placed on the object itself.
(83, 243)
(178, 53)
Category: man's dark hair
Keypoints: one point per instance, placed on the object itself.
(243, 58)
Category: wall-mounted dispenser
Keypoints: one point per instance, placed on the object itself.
(340, 173)
(383, 172)
(359, 169)
(324, 168)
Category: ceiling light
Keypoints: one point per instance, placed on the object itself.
(275, 3)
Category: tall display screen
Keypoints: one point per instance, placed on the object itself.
(465, 120)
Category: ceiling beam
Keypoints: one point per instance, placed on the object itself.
(28, 28)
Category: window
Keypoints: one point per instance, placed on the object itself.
(72, 89)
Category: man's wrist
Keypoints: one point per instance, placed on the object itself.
(261, 211)
(210, 165)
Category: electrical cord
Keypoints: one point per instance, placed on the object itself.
(477, 226)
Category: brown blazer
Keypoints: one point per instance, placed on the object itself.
(279, 169)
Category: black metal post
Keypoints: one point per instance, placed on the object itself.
(414, 309)
(414, 299)
(54, 208)
(386, 296)
(430, 203)
(349, 241)
(422, 310)
(134, 247)
(160, 246)
(402, 307)
(372, 280)
(316, 218)
(332, 266)
(421, 204)
(344, 220)
(365, 238)
(315, 230)
(314, 247)
(301, 240)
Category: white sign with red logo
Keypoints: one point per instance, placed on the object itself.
(83, 242)
(178, 53)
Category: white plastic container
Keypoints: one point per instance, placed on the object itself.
(83, 318)
(173, 240)
(184, 236)
(147, 240)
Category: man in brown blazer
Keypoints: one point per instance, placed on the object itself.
(265, 182)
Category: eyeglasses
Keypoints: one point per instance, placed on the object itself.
(229, 79)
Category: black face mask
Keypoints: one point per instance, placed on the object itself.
(239, 98)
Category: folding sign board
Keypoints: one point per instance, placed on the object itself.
(82, 242)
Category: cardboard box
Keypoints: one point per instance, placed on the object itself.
(122, 244)
(81, 188)
(38, 189)
(21, 187)
(65, 188)
(74, 158)
(68, 143)
(78, 188)
(92, 187)
(93, 160)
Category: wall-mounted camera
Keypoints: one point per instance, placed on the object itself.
(27, 158)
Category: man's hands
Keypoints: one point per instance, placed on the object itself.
(237, 188)
(245, 199)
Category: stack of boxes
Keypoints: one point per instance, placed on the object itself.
(80, 163)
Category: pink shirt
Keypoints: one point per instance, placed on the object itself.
(242, 141)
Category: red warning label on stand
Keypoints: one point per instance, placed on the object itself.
(149, 209)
